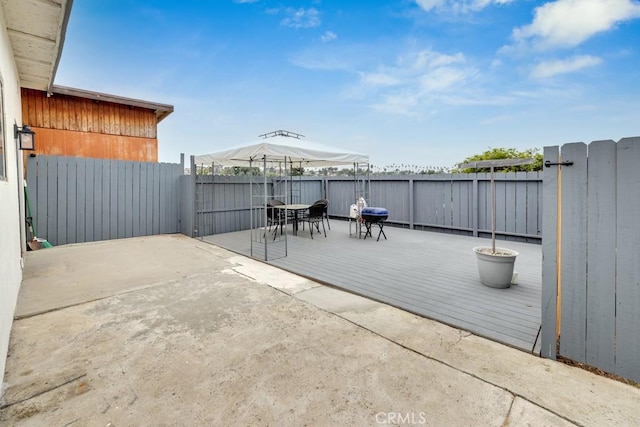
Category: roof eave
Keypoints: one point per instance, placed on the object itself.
(161, 110)
(60, 46)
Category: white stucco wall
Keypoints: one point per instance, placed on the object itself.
(10, 232)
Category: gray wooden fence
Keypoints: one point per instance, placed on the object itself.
(75, 200)
(455, 203)
(591, 273)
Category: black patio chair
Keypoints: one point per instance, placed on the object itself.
(325, 214)
(276, 202)
(275, 217)
(315, 217)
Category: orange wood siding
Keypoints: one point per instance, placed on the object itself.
(56, 142)
(78, 127)
(66, 112)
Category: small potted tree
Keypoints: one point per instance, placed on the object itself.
(495, 265)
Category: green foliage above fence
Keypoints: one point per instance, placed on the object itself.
(507, 153)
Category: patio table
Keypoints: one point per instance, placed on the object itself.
(295, 208)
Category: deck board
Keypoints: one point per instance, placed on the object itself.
(430, 274)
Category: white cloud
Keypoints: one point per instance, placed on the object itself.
(328, 36)
(428, 5)
(427, 70)
(567, 23)
(427, 59)
(301, 18)
(245, 1)
(402, 103)
(412, 83)
(442, 79)
(458, 6)
(379, 79)
(547, 69)
(417, 79)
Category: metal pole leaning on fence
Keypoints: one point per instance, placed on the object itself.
(501, 163)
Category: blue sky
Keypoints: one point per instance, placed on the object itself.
(419, 82)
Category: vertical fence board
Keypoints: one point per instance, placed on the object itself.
(170, 195)
(101, 199)
(122, 201)
(149, 200)
(501, 203)
(135, 195)
(212, 200)
(539, 218)
(420, 215)
(89, 170)
(601, 254)
(473, 206)
(39, 181)
(574, 252)
(128, 199)
(46, 190)
(446, 203)
(431, 204)
(511, 203)
(439, 196)
(533, 212)
(549, 255)
(450, 202)
(429, 207)
(61, 202)
(627, 265)
(314, 188)
(72, 199)
(144, 220)
(484, 202)
(155, 200)
(438, 202)
(178, 170)
(166, 227)
(466, 204)
(174, 195)
(456, 196)
(162, 200)
(520, 214)
(112, 169)
(187, 204)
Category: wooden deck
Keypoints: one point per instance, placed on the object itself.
(430, 274)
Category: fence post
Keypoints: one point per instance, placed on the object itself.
(194, 176)
(476, 206)
(411, 204)
(548, 333)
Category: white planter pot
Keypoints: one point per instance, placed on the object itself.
(496, 270)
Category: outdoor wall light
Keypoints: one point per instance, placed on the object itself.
(26, 137)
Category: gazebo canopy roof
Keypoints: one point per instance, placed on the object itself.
(280, 147)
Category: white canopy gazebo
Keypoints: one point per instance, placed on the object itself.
(283, 150)
(282, 146)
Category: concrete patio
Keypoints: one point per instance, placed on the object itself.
(170, 330)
